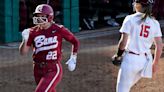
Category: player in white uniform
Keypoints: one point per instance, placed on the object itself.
(138, 33)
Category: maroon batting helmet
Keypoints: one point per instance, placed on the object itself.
(44, 9)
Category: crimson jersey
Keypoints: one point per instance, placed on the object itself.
(47, 43)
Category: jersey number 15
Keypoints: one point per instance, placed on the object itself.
(144, 31)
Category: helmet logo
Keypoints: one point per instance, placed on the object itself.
(40, 9)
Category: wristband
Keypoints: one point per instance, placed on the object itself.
(120, 52)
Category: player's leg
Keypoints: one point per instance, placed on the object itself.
(128, 73)
(58, 79)
(54, 90)
(124, 81)
(37, 73)
(49, 81)
(136, 78)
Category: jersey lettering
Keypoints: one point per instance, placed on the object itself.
(144, 31)
(42, 40)
(42, 43)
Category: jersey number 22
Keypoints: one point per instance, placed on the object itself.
(52, 55)
(144, 31)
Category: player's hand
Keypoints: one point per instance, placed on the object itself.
(72, 63)
(116, 60)
(25, 34)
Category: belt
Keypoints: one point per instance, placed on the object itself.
(136, 53)
(44, 64)
(133, 53)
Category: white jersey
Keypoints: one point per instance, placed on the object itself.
(141, 33)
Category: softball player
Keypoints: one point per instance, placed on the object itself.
(139, 31)
(46, 40)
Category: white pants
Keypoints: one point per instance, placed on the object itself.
(130, 71)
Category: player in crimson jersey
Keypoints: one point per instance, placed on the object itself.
(46, 40)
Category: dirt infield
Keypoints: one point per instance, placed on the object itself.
(94, 72)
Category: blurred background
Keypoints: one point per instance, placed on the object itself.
(76, 15)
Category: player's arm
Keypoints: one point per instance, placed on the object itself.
(24, 48)
(68, 36)
(125, 31)
(158, 49)
(158, 46)
(122, 43)
(75, 46)
(158, 52)
(116, 59)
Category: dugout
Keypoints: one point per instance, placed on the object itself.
(11, 18)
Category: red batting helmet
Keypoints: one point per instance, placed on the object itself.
(43, 9)
(144, 1)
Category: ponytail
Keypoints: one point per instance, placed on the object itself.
(147, 10)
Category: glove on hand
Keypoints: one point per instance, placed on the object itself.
(72, 63)
(25, 34)
(116, 60)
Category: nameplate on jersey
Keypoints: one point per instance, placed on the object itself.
(42, 43)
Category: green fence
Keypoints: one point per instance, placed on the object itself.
(71, 14)
(9, 21)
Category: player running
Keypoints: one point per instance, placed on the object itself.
(139, 31)
(46, 39)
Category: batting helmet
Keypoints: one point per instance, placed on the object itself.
(43, 9)
(144, 1)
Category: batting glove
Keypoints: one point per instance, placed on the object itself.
(72, 63)
(25, 34)
(117, 60)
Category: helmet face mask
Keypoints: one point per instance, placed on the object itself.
(40, 20)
